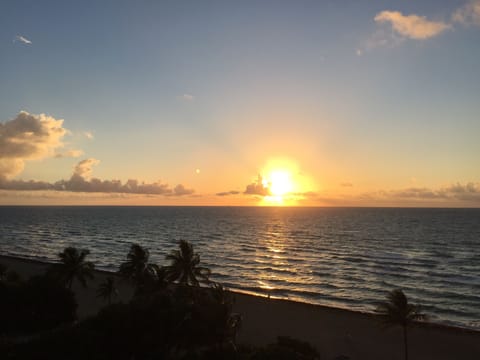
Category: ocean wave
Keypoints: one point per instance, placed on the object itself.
(342, 257)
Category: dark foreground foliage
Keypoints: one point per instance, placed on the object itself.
(76, 344)
(169, 317)
(186, 323)
(287, 348)
(38, 304)
(166, 324)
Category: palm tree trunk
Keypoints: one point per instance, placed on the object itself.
(405, 341)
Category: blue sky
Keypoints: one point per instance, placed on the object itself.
(351, 92)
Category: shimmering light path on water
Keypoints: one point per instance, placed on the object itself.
(344, 257)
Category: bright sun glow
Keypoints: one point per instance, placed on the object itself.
(280, 176)
(280, 182)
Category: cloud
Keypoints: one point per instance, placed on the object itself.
(468, 14)
(28, 137)
(81, 181)
(181, 190)
(227, 193)
(88, 135)
(187, 97)
(305, 194)
(457, 192)
(346, 184)
(380, 38)
(412, 26)
(69, 154)
(258, 188)
(84, 168)
(22, 39)
(10, 167)
(24, 185)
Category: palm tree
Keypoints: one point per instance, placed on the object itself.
(73, 266)
(230, 322)
(184, 266)
(137, 268)
(398, 311)
(107, 290)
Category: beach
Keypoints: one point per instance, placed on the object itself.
(333, 332)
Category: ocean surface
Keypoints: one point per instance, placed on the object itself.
(342, 257)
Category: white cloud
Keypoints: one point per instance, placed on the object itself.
(469, 14)
(412, 26)
(187, 97)
(88, 135)
(22, 39)
(84, 168)
(28, 137)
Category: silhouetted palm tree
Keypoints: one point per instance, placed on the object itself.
(397, 311)
(137, 268)
(107, 290)
(159, 281)
(73, 266)
(230, 322)
(184, 266)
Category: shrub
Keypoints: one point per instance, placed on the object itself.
(36, 305)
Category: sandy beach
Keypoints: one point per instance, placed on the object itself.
(332, 331)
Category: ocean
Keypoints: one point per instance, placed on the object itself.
(342, 257)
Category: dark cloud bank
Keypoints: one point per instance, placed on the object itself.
(80, 182)
(29, 137)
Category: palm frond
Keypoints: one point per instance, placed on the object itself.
(397, 310)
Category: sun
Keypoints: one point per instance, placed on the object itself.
(280, 182)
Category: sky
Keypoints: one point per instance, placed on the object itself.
(269, 103)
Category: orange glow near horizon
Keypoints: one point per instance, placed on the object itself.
(281, 177)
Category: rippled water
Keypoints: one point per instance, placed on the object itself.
(344, 257)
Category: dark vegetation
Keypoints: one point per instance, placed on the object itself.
(38, 304)
(169, 317)
(398, 311)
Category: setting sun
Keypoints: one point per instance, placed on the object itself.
(280, 182)
(280, 177)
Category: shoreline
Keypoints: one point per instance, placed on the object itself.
(241, 292)
(333, 331)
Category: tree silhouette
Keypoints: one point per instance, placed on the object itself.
(184, 266)
(398, 311)
(107, 290)
(138, 269)
(228, 323)
(73, 266)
